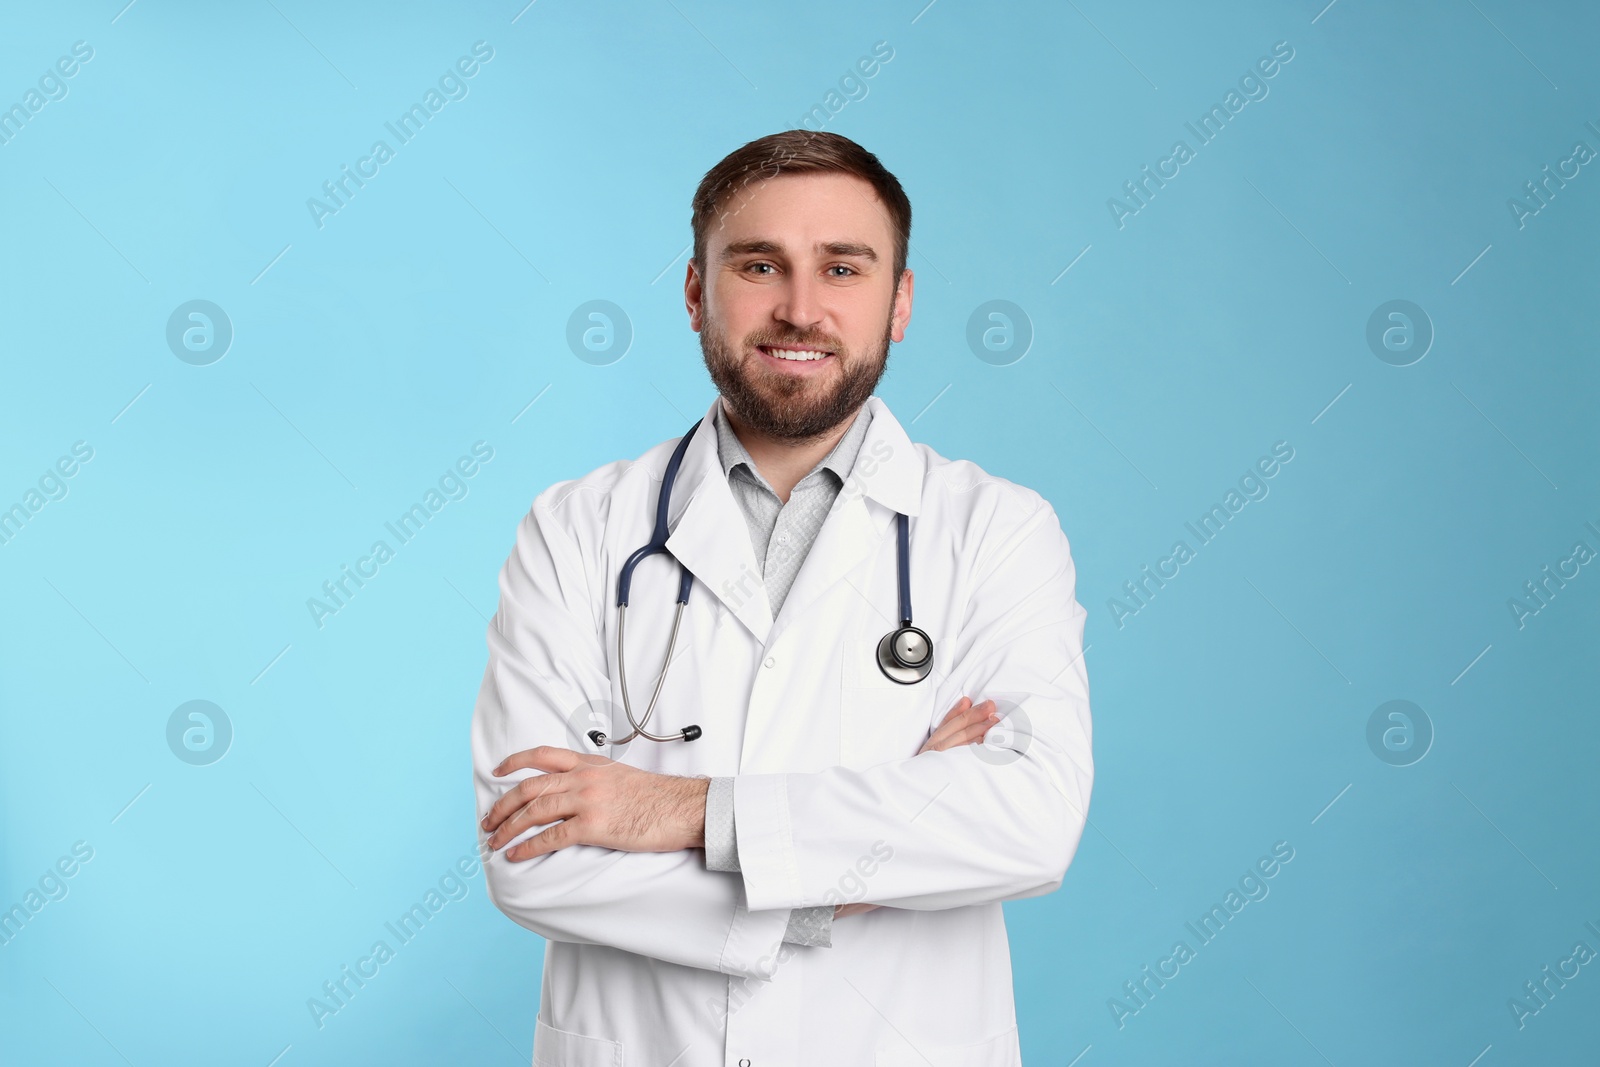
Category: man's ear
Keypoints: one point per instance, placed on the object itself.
(902, 306)
(693, 296)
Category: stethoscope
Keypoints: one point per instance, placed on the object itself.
(905, 654)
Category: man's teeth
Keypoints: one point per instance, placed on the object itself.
(795, 353)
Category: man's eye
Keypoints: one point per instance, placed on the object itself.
(753, 266)
(841, 266)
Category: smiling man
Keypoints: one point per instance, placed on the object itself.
(864, 721)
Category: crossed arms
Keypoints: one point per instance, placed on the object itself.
(617, 860)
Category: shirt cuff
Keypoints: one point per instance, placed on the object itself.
(722, 844)
(810, 926)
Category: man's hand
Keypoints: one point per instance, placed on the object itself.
(593, 800)
(962, 725)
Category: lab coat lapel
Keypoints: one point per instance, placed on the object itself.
(888, 472)
(710, 536)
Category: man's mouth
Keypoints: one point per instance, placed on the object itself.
(795, 354)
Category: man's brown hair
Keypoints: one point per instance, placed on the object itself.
(796, 152)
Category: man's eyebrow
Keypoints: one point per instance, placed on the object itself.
(762, 246)
(750, 247)
(847, 248)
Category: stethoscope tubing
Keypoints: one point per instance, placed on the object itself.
(658, 543)
(622, 677)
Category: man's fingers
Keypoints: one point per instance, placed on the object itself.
(958, 719)
(973, 734)
(548, 758)
(964, 737)
(549, 808)
(520, 794)
(961, 727)
(971, 727)
(973, 713)
(546, 841)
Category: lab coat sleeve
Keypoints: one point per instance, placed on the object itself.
(807, 926)
(546, 665)
(970, 825)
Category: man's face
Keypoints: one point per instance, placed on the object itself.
(795, 263)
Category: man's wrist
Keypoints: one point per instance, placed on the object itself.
(693, 810)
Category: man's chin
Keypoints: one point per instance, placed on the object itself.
(784, 414)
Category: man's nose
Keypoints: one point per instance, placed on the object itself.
(801, 305)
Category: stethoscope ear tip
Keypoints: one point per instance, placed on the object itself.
(688, 733)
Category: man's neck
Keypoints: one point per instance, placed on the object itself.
(783, 462)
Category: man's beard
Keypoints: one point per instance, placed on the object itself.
(790, 407)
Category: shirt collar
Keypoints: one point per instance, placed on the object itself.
(841, 460)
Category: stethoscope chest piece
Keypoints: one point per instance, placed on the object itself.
(905, 655)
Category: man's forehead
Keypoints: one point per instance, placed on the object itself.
(828, 213)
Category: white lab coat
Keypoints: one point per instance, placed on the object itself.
(655, 960)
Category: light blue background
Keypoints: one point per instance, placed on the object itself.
(370, 353)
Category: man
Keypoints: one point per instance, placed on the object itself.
(816, 876)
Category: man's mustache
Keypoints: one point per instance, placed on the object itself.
(820, 344)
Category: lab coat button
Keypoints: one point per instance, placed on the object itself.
(770, 662)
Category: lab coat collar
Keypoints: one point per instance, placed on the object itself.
(711, 538)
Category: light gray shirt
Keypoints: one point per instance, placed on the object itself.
(782, 535)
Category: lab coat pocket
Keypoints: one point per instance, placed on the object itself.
(561, 1048)
(1001, 1050)
(881, 720)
